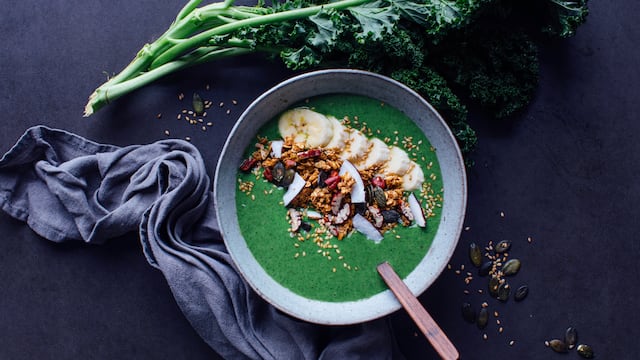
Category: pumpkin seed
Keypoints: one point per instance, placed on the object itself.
(511, 267)
(571, 337)
(503, 291)
(558, 346)
(468, 313)
(485, 268)
(198, 104)
(475, 254)
(585, 351)
(379, 198)
(521, 293)
(494, 285)
(503, 246)
(483, 318)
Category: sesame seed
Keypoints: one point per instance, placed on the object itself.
(221, 104)
(207, 87)
(159, 116)
(228, 111)
(204, 128)
(209, 123)
(511, 342)
(484, 336)
(166, 132)
(234, 102)
(179, 116)
(188, 138)
(500, 330)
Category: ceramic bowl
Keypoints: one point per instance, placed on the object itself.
(386, 90)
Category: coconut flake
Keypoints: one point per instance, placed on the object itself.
(357, 191)
(294, 189)
(416, 210)
(362, 225)
(276, 148)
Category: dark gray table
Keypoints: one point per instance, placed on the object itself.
(564, 174)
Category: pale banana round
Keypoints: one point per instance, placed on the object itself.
(414, 178)
(308, 127)
(340, 134)
(356, 147)
(377, 155)
(398, 163)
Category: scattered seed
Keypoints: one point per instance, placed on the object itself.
(468, 313)
(166, 132)
(179, 116)
(234, 102)
(521, 293)
(503, 291)
(207, 87)
(503, 246)
(228, 111)
(485, 268)
(198, 104)
(571, 337)
(585, 351)
(511, 342)
(204, 128)
(188, 138)
(500, 330)
(209, 123)
(494, 285)
(484, 336)
(221, 104)
(511, 267)
(180, 96)
(483, 318)
(558, 346)
(475, 254)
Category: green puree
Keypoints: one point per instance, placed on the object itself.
(346, 271)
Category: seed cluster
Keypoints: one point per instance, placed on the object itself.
(197, 114)
(492, 262)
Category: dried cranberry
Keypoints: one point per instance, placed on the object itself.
(248, 164)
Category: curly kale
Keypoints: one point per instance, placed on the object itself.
(455, 53)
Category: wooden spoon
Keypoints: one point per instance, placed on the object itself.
(420, 316)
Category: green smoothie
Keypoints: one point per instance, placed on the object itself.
(340, 270)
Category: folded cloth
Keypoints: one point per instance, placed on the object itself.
(69, 188)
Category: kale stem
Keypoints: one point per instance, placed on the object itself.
(202, 38)
(105, 94)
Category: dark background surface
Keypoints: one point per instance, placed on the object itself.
(565, 174)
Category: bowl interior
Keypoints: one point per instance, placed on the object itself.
(299, 88)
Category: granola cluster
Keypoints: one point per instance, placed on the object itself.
(326, 195)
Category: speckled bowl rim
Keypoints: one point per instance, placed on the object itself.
(332, 81)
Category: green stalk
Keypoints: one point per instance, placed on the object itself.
(171, 51)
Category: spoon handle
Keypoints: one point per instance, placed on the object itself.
(440, 342)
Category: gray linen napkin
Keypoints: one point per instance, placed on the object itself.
(68, 188)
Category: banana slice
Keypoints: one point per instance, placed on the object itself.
(414, 178)
(398, 163)
(306, 126)
(340, 134)
(378, 154)
(356, 147)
